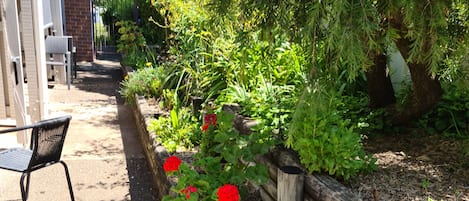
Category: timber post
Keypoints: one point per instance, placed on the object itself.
(290, 183)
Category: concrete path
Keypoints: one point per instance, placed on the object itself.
(102, 148)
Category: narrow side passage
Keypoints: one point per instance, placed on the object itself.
(102, 148)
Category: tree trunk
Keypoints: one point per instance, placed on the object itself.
(426, 90)
(380, 89)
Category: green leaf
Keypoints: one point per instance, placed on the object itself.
(257, 174)
(221, 137)
(174, 118)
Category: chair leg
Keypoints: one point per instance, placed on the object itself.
(25, 189)
(67, 174)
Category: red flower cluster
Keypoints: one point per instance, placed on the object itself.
(190, 189)
(209, 120)
(172, 164)
(228, 192)
(205, 127)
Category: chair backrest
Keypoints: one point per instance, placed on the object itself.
(47, 140)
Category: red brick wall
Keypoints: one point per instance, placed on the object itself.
(79, 25)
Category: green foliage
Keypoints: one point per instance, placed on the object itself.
(236, 149)
(268, 83)
(426, 183)
(226, 161)
(271, 105)
(117, 9)
(211, 176)
(144, 82)
(260, 54)
(279, 64)
(451, 115)
(363, 119)
(343, 35)
(455, 66)
(325, 141)
(177, 130)
(154, 35)
(193, 69)
(101, 34)
(168, 99)
(130, 38)
(263, 76)
(132, 45)
(138, 58)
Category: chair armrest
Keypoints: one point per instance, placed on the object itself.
(16, 129)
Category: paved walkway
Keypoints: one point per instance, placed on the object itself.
(102, 149)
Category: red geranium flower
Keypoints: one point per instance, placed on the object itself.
(171, 164)
(190, 189)
(204, 127)
(210, 119)
(228, 192)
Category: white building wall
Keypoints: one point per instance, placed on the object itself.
(3, 75)
(11, 62)
(34, 50)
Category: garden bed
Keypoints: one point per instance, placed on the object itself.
(320, 89)
(414, 166)
(411, 167)
(317, 187)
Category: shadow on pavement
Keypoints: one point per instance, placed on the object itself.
(104, 77)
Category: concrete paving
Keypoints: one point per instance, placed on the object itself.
(102, 148)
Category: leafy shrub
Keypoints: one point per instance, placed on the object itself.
(271, 105)
(274, 75)
(223, 139)
(225, 161)
(132, 45)
(144, 82)
(325, 141)
(451, 115)
(204, 185)
(154, 34)
(362, 118)
(177, 130)
(130, 38)
(139, 58)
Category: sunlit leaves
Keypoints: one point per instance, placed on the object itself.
(324, 140)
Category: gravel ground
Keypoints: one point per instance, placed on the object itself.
(415, 167)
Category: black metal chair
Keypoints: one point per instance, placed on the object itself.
(47, 140)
